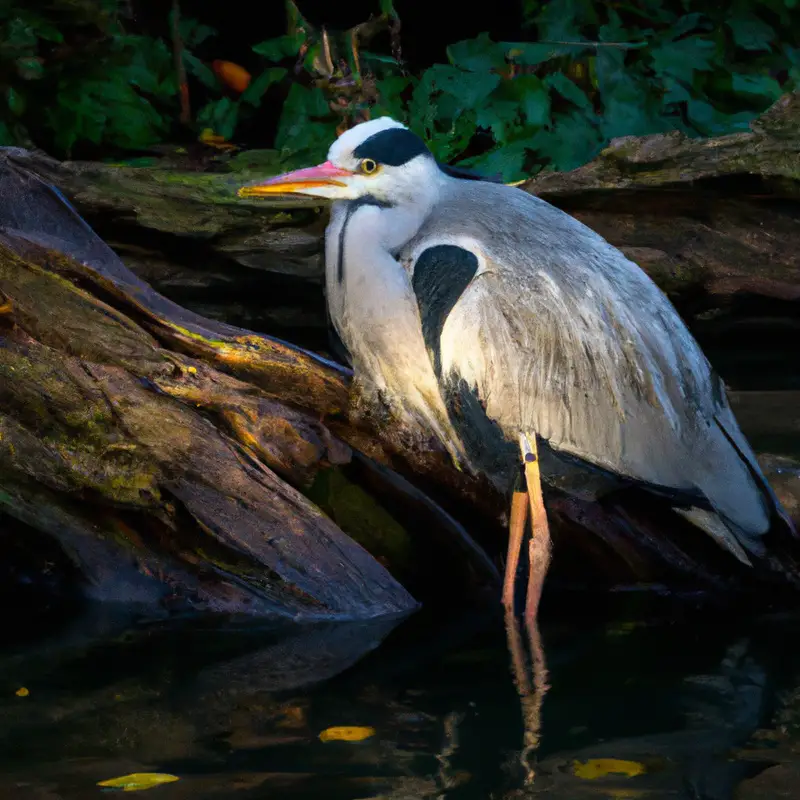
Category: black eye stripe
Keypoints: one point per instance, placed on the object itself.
(393, 147)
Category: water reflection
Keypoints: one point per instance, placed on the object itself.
(236, 710)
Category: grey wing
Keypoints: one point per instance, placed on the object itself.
(602, 367)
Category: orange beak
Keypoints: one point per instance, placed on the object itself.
(299, 181)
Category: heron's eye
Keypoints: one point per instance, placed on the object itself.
(368, 166)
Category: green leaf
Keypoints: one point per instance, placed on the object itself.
(48, 32)
(379, 58)
(279, 48)
(631, 103)
(193, 32)
(422, 109)
(711, 122)
(750, 32)
(15, 101)
(563, 20)
(759, 85)
(477, 55)
(688, 22)
(255, 91)
(567, 89)
(507, 162)
(296, 130)
(19, 34)
(221, 116)
(572, 141)
(498, 117)
(683, 58)
(454, 140)
(534, 100)
(204, 74)
(630, 118)
(674, 92)
(30, 68)
(468, 88)
(390, 101)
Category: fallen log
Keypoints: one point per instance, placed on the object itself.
(172, 456)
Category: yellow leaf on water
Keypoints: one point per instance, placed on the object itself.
(138, 781)
(22, 692)
(346, 733)
(600, 767)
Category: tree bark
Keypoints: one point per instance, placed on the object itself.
(171, 455)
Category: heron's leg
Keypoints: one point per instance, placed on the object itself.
(516, 530)
(539, 546)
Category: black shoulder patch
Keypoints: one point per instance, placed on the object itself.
(393, 147)
(441, 274)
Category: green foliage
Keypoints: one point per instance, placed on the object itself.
(71, 74)
(100, 86)
(597, 72)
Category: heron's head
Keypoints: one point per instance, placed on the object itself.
(381, 159)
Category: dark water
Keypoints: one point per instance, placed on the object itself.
(706, 706)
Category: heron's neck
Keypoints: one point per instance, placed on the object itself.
(387, 227)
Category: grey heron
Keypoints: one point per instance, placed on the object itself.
(506, 328)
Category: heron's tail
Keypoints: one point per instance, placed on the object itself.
(745, 507)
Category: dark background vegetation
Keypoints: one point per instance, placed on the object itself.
(512, 89)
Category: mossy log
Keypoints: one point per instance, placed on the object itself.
(712, 216)
(165, 452)
(173, 456)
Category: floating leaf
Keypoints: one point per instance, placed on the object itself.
(138, 781)
(601, 767)
(346, 733)
(22, 692)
